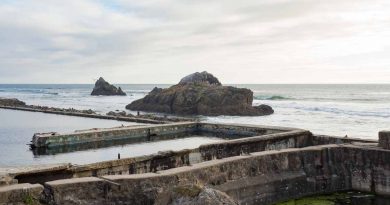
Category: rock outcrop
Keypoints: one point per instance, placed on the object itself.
(200, 94)
(102, 87)
(203, 77)
(13, 102)
(193, 195)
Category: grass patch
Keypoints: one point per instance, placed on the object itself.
(319, 200)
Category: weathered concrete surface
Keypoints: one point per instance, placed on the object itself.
(173, 159)
(291, 139)
(90, 136)
(260, 178)
(267, 138)
(264, 138)
(53, 139)
(35, 173)
(68, 191)
(326, 139)
(384, 139)
(21, 194)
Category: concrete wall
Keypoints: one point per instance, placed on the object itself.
(384, 139)
(53, 140)
(172, 159)
(260, 178)
(96, 136)
(21, 194)
(326, 139)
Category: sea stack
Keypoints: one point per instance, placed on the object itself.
(200, 94)
(102, 87)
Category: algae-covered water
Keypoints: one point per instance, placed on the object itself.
(346, 198)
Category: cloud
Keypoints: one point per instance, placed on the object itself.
(156, 41)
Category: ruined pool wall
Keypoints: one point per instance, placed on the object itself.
(173, 159)
(259, 178)
(273, 138)
(52, 140)
(327, 139)
(48, 140)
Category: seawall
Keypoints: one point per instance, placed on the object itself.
(259, 178)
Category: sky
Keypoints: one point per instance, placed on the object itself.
(160, 41)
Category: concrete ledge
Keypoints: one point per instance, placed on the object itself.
(384, 139)
(93, 136)
(20, 193)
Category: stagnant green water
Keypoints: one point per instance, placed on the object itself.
(346, 198)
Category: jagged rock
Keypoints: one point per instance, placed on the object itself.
(102, 87)
(12, 102)
(266, 109)
(193, 195)
(117, 114)
(200, 94)
(203, 77)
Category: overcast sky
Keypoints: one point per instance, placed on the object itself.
(160, 41)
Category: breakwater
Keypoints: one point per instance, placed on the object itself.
(82, 114)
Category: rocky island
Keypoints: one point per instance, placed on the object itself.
(201, 94)
(102, 87)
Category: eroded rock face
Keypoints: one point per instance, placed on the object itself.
(200, 94)
(194, 195)
(102, 87)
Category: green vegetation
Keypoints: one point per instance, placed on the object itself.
(331, 199)
(29, 200)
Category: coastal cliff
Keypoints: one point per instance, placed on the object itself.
(201, 94)
(102, 87)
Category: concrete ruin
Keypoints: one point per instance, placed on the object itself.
(256, 165)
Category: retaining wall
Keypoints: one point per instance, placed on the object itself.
(259, 178)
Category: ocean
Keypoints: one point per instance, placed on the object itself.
(353, 110)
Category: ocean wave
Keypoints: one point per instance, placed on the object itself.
(273, 97)
(32, 91)
(342, 111)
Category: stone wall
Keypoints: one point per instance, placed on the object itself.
(259, 178)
